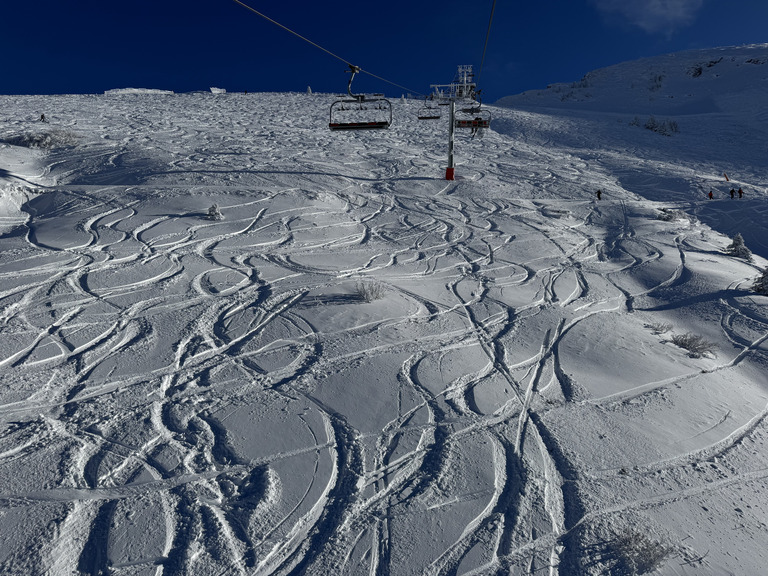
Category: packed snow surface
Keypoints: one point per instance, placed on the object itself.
(235, 342)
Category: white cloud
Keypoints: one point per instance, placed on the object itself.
(653, 15)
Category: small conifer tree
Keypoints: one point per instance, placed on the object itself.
(739, 249)
(761, 284)
(214, 213)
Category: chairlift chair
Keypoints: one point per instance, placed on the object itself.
(360, 111)
(473, 117)
(428, 112)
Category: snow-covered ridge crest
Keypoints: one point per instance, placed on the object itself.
(688, 82)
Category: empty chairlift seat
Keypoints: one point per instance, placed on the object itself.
(361, 113)
(429, 111)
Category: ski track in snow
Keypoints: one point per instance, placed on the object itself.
(195, 396)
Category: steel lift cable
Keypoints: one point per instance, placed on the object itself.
(347, 62)
(485, 47)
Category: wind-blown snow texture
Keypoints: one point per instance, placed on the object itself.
(366, 369)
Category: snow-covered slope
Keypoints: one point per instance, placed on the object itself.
(708, 106)
(364, 368)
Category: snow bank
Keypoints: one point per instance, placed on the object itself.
(12, 197)
(122, 91)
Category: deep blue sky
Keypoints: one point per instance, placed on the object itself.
(85, 46)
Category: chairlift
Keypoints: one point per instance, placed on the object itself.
(428, 111)
(360, 111)
(473, 117)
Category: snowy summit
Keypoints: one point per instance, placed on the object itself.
(234, 341)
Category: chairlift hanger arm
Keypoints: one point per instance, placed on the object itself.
(354, 70)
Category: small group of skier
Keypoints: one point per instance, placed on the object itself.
(740, 192)
(711, 194)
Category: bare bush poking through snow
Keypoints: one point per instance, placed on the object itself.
(659, 327)
(696, 345)
(369, 290)
(665, 127)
